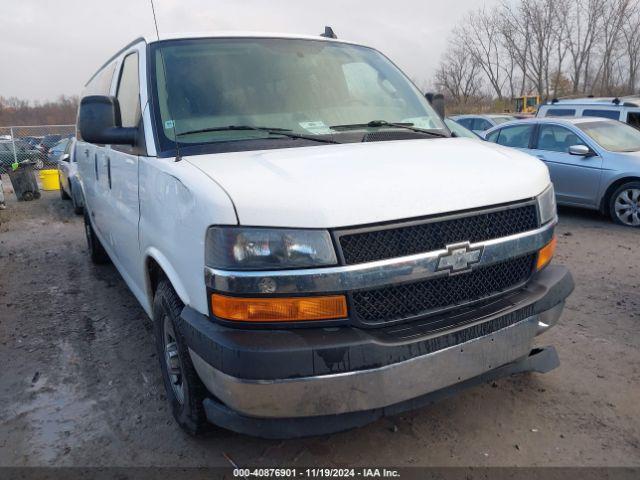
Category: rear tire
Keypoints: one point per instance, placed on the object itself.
(185, 391)
(97, 252)
(624, 205)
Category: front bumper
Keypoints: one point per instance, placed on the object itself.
(261, 375)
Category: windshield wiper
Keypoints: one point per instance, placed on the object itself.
(270, 130)
(384, 123)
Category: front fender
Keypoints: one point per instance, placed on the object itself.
(171, 274)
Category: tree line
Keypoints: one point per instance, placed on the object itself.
(15, 111)
(550, 48)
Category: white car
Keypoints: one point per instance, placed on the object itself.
(624, 109)
(68, 175)
(313, 247)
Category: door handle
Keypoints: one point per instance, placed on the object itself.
(86, 152)
(109, 171)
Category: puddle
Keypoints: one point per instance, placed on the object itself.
(54, 412)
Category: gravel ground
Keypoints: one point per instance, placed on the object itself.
(80, 383)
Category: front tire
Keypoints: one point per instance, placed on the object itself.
(185, 391)
(624, 206)
(97, 252)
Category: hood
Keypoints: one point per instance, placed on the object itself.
(359, 183)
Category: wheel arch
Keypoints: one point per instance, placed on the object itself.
(157, 267)
(612, 187)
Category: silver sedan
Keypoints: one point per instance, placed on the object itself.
(593, 162)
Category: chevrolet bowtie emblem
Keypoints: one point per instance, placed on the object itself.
(459, 258)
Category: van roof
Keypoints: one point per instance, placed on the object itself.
(219, 34)
(238, 34)
(626, 101)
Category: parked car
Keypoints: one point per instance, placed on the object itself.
(56, 151)
(460, 131)
(302, 272)
(7, 156)
(32, 141)
(47, 142)
(625, 109)
(68, 173)
(593, 162)
(479, 124)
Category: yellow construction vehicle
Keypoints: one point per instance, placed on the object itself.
(526, 104)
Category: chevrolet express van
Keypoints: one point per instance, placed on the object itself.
(314, 246)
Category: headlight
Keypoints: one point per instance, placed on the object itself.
(547, 205)
(244, 248)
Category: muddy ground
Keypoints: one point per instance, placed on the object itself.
(80, 383)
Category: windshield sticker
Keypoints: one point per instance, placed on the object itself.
(318, 127)
(421, 122)
(169, 124)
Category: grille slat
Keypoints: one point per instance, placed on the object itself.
(399, 241)
(396, 302)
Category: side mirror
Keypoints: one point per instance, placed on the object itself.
(65, 157)
(580, 150)
(437, 102)
(99, 122)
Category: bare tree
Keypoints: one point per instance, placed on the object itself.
(614, 13)
(481, 36)
(581, 22)
(458, 76)
(546, 46)
(631, 36)
(528, 29)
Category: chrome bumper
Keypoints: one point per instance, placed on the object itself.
(374, 274)
(374, 388)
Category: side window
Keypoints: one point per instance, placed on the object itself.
(129, 91)
(517, 136)
(465, 122)
(633, 119)
(482, 124)
(612, 114)
(554, 138)
(561, 112)
(493, 136)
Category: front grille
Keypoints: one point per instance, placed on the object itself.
(399, 241)
(396, 302)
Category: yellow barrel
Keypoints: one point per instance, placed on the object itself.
(50, 179)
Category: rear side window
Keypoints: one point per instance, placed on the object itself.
(493, 136)
(554, 138)
(466, 122)
(633, 119)
(561, 112)
(481, 124)
(517, 136)
(612, 114)
(129, 91)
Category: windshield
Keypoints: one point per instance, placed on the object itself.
(613, 136)
(303, 86)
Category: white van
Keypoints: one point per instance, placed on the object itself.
(313, 247)
(623, 109)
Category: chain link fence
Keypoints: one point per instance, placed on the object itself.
(42, 145)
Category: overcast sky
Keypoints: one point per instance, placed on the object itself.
(49, 48)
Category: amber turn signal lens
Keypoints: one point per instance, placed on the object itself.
(545, 254)
(290, 309)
